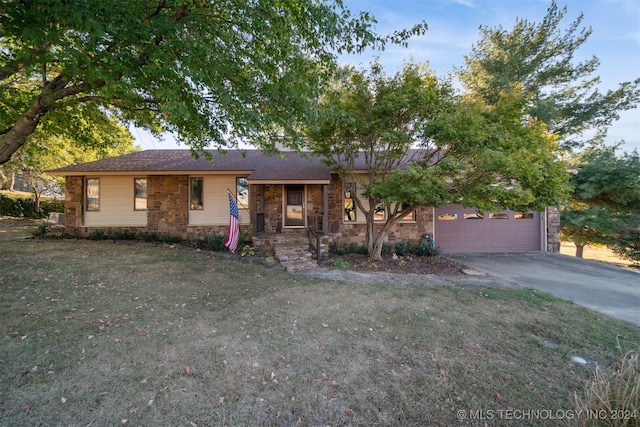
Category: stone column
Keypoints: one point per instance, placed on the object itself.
(73, 201)
(553, 229)
(168, 204)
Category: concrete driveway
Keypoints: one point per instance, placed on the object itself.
(608, 289)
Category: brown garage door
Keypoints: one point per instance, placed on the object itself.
(459, 229)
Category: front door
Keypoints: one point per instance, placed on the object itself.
(294, 206)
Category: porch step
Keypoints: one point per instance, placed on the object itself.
(294, 256)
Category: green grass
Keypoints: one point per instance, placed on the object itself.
(96, 333)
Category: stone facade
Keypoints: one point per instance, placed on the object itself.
(168, 204)
(346, 233)
(168, 214)
(73, 201)
(553, 229)
(167, 210)
(272, 207)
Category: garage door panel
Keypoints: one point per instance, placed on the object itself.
(491, 232)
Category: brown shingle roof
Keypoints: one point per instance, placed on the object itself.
(289, 166)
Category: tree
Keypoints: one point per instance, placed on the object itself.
(210, 72)
(539, 58)
(44, 153)
(423, 146)
(627, 242)
(605, 198)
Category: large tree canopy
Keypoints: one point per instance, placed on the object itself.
(212, 72)
(540, 59)
(407, 140)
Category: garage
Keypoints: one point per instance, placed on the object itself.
(460, 229)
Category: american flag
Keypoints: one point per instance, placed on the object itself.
(234, 225)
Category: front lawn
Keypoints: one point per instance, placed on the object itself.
(103, 333)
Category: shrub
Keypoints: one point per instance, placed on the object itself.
(123, 235)
(614, 391)
(98, 234)
(340, 263)
(351, 248)
(213, 243)
(168, 238)
(39, 231)
(10, 206)
(148, 236)
(419, 249)
(247, 251)
(387, 249)
(24, 207)
(426, 250)
(48, 206)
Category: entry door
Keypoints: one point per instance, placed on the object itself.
(294, 206)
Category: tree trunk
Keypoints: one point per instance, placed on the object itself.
(17, 135)
(8, 182)
(36, 200)
(376, 251)
(19, 132)
(579, 250)
(375, 242)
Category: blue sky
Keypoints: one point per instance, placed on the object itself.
(453, 29)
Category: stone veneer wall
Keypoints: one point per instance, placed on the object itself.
(73, 209)
(553, 229)
(167, 210)
(272, 207)
(168, 204)
(345, 233)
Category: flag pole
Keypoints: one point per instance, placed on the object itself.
(236, 199)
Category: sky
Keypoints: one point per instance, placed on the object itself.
(453, 29)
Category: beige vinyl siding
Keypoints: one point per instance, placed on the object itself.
(116, 204)
(216, 203)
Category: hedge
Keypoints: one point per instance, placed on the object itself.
(22, 207)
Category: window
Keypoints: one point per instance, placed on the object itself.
(410, 216)
(523, 215)
(92, 194)
(477, 215)
(499, 215)
(448, 217)
(379, 212)
(349, 202)
(195, 193)
(242, 193)
(140, 194)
